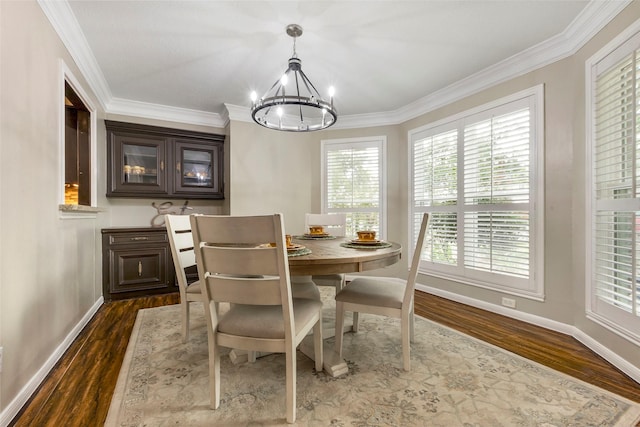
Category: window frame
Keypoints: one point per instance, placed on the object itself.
(379, 142)
(534, 286)
(624, 324)
(67, 76)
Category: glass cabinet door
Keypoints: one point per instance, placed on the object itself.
(139, 166)
(196, 167)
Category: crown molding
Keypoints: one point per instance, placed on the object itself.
(164, 112)
(238, 113)
(592, 19)
(243, 114)
(66, 26)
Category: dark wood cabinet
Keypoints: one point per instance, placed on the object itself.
(151, 162)
(136, 262)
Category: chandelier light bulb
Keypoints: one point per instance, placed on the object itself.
(284, 80)
(332, 91)
(280, 112)
(254, 96)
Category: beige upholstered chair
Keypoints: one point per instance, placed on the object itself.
(234, 267)
(181, 242)
(384, 296)
(335, 224)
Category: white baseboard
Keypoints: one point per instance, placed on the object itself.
(23, 396)
(606, 353)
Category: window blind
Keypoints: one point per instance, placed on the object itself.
(353, 179)
(616, 250)
(474, 173)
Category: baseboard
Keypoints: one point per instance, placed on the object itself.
(23, 396)
(632, 371)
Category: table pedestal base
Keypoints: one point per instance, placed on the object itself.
(333, 364)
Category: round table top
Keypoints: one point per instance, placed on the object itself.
(328, 257)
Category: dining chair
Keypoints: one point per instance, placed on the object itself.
(386, 296)
(335, 225)
(181, 243)
(237, 265)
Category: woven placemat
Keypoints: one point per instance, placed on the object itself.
(299, 252)
(303, 237)
(380, 245)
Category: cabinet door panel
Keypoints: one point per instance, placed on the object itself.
(139, 164)
(197, 168)
(135, 270)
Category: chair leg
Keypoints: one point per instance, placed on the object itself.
(354, 327)
(339, 326)
(214, 373)
(251, 356)
(405, 326)
(185, 319)
(291, 384)
(318, 344)
(412, 322)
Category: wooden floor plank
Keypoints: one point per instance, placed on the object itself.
(78, 390)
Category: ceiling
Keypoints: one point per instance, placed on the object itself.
(381, 56)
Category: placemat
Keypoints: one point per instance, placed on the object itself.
(380, 245)
(299, 252)
(303, 237)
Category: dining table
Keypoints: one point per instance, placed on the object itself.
(336, 255)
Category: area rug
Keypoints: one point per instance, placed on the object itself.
(455, 380)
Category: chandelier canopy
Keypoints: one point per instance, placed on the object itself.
(301, 108)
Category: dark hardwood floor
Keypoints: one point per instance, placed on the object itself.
(78, 390)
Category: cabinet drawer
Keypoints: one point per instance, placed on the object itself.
(127, 238)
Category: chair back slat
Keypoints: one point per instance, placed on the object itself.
(335, 223)
(245, 290)
(239, 230)
(415, 261)
(236, 261)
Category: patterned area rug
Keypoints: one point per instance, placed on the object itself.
(455, 380)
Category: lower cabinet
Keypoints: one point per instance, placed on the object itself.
(136, 262)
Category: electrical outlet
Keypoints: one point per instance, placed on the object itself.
(509, 302)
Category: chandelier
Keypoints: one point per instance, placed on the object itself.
(299, 109)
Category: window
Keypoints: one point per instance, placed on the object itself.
(478, 174)
(78, 143)
(77, 150)
(353, 182)
(613, 129)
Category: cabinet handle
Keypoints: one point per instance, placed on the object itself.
(139, 238)
(139, 268)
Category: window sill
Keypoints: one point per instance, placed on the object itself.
(79, 209)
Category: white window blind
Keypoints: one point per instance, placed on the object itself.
(615, 176)
(353, 182)
(476, 174)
